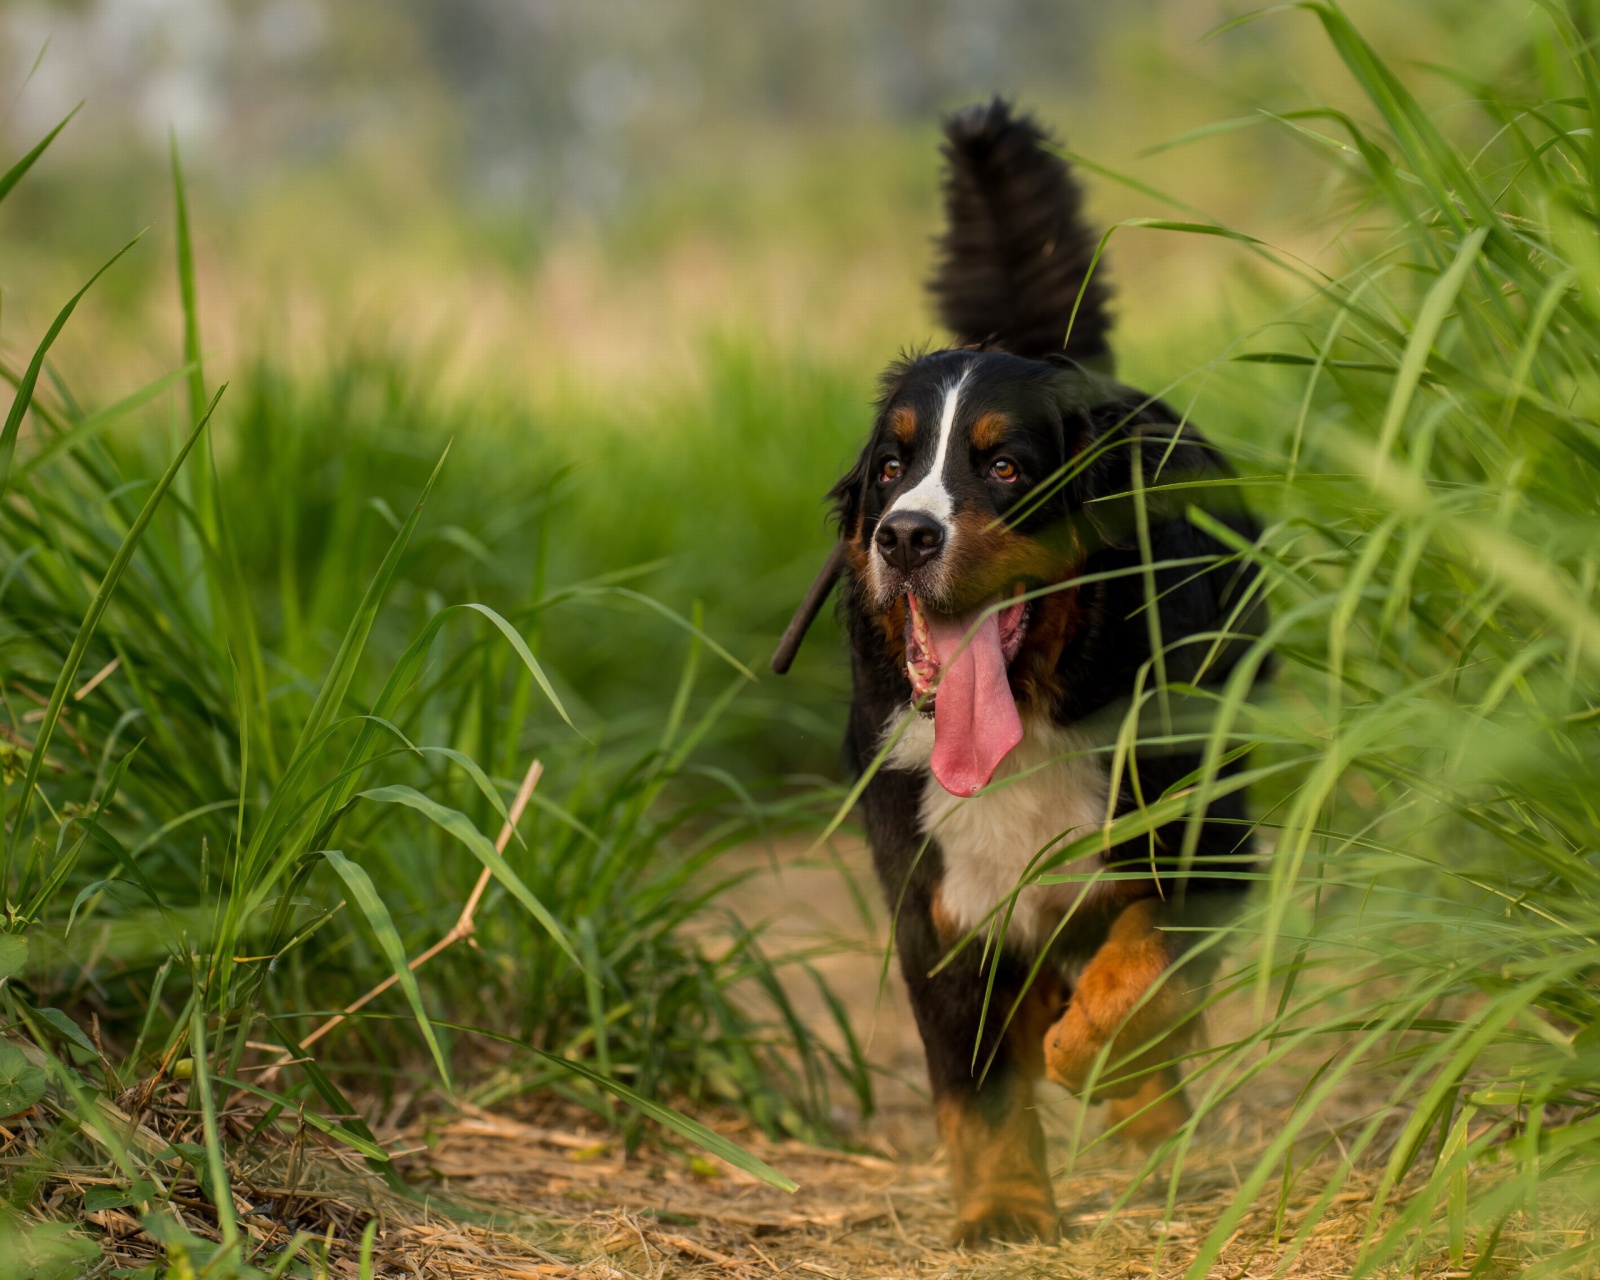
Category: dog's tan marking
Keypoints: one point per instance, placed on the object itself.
(989, 430)
(903, 422)
(997, 1164)
(987, 557)
(892, 624)
(1035, 676)
(1106, 1008)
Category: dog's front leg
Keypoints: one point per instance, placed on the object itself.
(982, 1083)
(1121, 1000)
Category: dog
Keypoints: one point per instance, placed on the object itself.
(1022, 570)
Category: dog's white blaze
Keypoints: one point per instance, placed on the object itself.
(989, 841)
(929, 495)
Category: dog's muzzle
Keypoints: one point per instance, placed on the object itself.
(907, 540)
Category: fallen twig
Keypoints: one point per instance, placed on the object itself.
(464, 926)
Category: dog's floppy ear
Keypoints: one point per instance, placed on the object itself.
(848, 495)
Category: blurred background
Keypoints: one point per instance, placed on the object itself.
(641, 259)
(488, 163)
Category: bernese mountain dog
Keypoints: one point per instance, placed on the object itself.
(1041, 600)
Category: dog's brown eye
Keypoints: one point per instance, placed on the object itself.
(1003, 469)
(891, 470)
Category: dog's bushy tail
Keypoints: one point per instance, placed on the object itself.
(1016, 247)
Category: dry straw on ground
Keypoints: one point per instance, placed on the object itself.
(539, 1192)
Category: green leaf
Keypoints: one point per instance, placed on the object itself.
(672, 616)
(14, 174)
(676, 1121)
(1430, 319)
(214, 1172)
(372, 906)
(461, 827)
(340, 1105)
(96, 1199)
(1192, 228)
(1355, 366)
(186, 289)
(98, 422)
(340, 674)
(191, 1153)
(13, 955)
(30, 379)
(679, 1123)
(526, 654)
(21, 1083)
(67, 1028)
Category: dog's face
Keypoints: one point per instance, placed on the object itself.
(949, 511)
(957, 506)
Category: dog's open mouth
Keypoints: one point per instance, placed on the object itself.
(922, 660)
(962, 659)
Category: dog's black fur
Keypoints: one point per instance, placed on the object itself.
(1039, 428)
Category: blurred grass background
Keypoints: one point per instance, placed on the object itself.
(639, 267)
(666, 247)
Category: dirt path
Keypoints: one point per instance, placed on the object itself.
(536, 1188)
(668, 1214)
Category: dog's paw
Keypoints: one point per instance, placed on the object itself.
(1075, 1043)
(1071, 1048)
(1121, 1000)
(998, 1168)
(1007, 1218)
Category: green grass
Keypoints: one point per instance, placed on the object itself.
(301, 694)
(1420, 432)
(711, 496)
(329, 645)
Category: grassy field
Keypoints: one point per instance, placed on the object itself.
(278, 655)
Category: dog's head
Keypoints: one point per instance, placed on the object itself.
(958, 498)
(958, 519)
(962, 513)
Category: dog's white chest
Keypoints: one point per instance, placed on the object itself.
(1046, 793)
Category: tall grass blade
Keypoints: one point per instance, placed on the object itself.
(13, 175)
(331, 696)
(372, 907)
(186, 285)
(221, 1188)
(460, 826)
(680, 1124)
(67, 678)
(30, 379)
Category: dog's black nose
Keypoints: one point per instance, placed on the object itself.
(909, 539)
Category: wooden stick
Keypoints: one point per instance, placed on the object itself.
(464, 926)
(806, 614)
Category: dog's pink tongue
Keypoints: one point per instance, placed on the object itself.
(975, 720)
